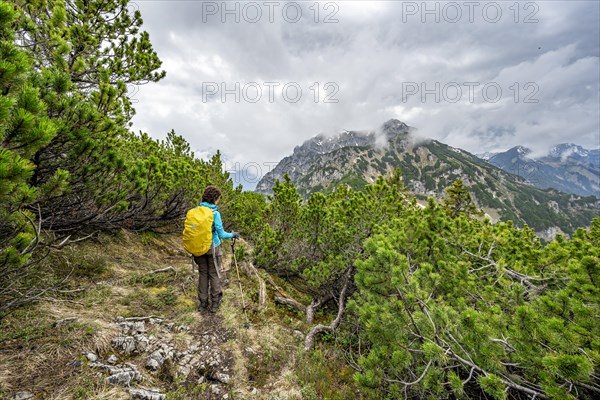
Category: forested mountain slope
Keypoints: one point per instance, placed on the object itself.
(428, 167)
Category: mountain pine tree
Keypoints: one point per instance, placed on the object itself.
(24, 129)
(441, 304)
(68, 162)
(98, 43)
(449, 306)
(459, 200)
(87, 53)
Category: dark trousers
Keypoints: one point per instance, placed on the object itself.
(207, 272)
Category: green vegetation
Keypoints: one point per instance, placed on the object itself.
(491, 188)
(398, 301)
(457, 298)
(440, 304)
(69, 166)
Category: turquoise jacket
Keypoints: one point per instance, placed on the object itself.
(218, 231)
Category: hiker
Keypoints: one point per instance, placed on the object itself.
(209, 263)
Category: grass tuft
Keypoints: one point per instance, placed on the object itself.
(112, 276)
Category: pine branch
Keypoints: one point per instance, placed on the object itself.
(408, 384)
(502, 378)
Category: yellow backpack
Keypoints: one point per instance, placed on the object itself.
(197, 230)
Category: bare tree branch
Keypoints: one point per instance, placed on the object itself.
(167, 269)
(310, 337)
(316, 303)
(249, 269)
(145, 318)
(31, 246)
(406, 384)
(502, 378)
(290, 302)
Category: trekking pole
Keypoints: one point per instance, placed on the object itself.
(217, 266)
(239, 279)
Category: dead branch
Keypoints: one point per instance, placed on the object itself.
(249, 269)
(19, 297)
(310, 337)
(70, 291)
(187, 279)
(168, 269)
(469, 377)
(283, 298)
(277, 288)
(316, 303)
(588, 387)
(504, 342)
(522, 278)
(33, 244)
(134, 319)
(406, 384)
(290, 302)
(502, 378)
(67, 241)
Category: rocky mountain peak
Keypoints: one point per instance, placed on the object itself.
(357, 158)
(487, 155)
(323, 144)
(567, 167)
(513, 155)
(565, 150)
(395, 127)
(522, 151)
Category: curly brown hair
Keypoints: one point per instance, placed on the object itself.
(211, 194)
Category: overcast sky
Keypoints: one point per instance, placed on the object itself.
(482, 76)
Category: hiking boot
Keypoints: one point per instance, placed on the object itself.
(203, 306)
(214, 306)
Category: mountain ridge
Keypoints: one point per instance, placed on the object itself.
(566, 167)
(428, 167)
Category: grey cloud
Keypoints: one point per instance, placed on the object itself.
(370, 54)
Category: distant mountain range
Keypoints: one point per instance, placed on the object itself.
(567, 167)
(428, 167)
